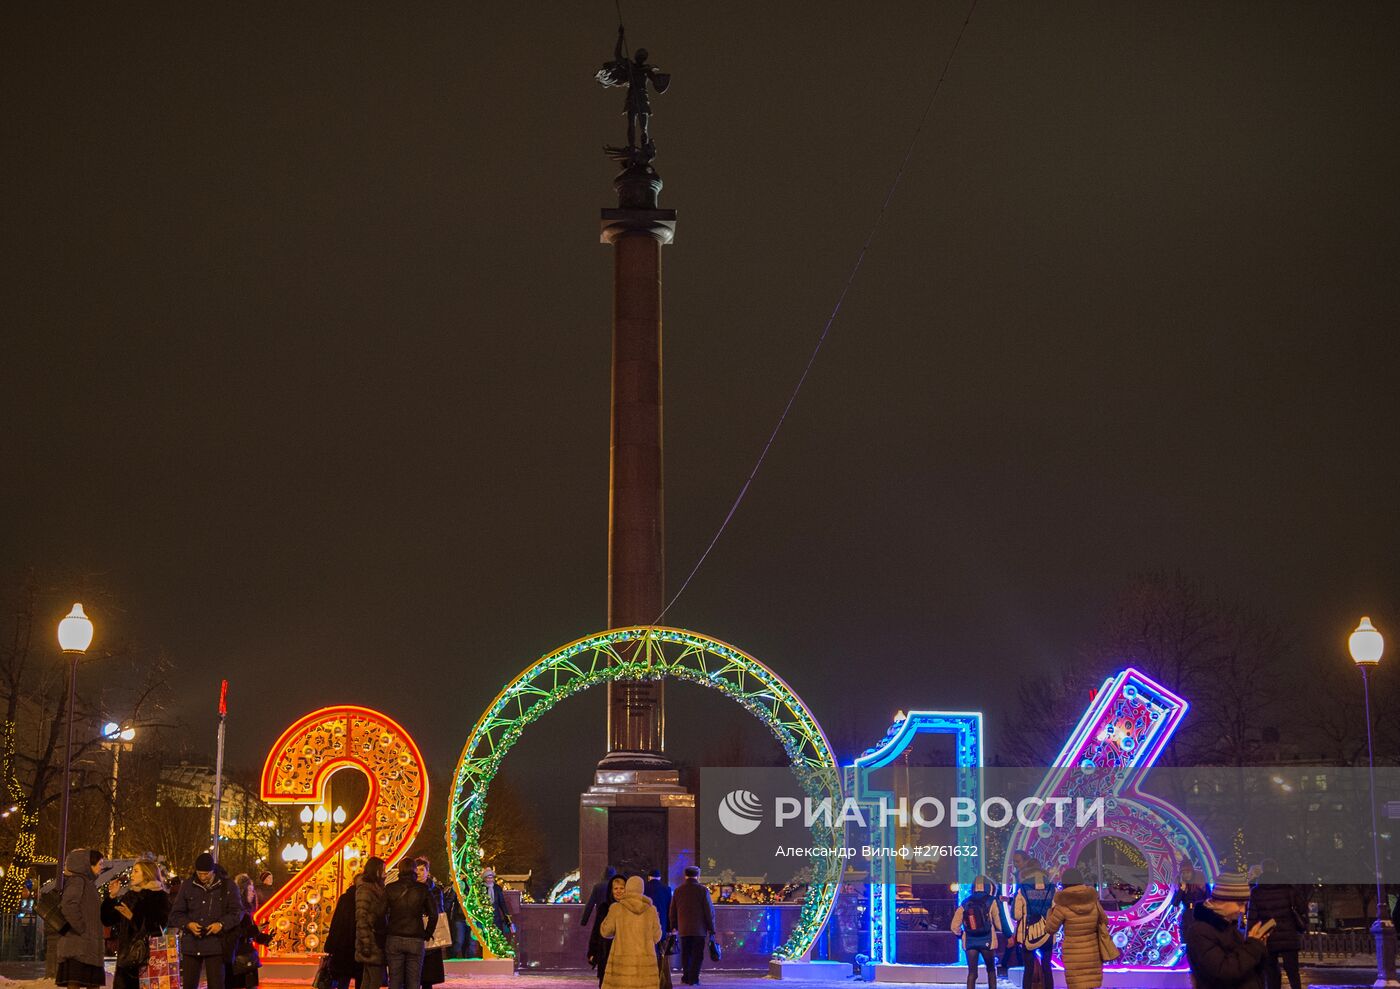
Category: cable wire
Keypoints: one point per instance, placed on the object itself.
(835, 311)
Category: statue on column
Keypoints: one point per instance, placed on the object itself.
(635, 74)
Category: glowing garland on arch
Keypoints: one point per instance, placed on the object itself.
(656, 653)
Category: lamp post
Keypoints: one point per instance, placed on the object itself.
(1367, 645)
(116, 738)
(74, 637)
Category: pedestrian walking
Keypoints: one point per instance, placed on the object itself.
(500, 906)
(1077, 911)
(244, 937)
(1286, 907)
(203, 910)
(1220, 956)
(340, 943)
(634, 929)
(140, 912)
(659, 893)
(692, 917)
(412, 917)
(80, 947)
(371, 924)
(434, 971)
(1035, 894)
(979, 922)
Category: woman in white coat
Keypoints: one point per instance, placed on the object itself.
(634, 929)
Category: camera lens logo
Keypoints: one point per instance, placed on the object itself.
(740, 812)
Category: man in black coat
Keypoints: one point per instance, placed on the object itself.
(1220, 956)
(1284, 905)
(692, 916)
(413, 915)
(660, 895)
(204, 908)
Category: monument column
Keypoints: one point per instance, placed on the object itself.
(636, 815)
(636, 554)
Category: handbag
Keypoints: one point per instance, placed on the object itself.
(135, 953)
(668, 944)
(715, 953)
(162, 969)
(442, 934)
(1108, 951)
(50, 910)
(322, 978)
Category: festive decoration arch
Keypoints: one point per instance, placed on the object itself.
(642, 653)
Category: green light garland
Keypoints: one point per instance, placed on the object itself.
(655, 653)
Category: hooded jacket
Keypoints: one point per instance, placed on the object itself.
(371, 922)
(204, 905)
(1221, 957)
(1076, 909)
(82, 909)
(996, 919)
(634, 928)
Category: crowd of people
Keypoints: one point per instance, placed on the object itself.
(380, 931)
(1238, 934)
(213, 914)
(636, 923)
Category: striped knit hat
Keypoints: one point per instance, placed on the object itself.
(1231, 886)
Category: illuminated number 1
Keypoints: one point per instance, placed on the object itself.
(297, 772)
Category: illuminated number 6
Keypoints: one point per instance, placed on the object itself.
(1112, 748)
(297, 771)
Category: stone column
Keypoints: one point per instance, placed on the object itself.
(636, 556)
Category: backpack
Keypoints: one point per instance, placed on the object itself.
(977, 917)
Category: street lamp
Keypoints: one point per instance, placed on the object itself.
(74, 637)
(1367, 645)
(116, 738)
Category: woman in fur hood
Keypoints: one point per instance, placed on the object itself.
(634, 929)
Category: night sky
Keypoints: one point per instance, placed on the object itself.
(306, 339)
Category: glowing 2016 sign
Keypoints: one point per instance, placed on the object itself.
(966, 727)
(1113, 747)
(297, 771)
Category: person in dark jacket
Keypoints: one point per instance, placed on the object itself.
(371, 923)
(659, 893)
(412, 917)
(340, 943)
(1220, 957)
(206, 907)
(598, 905)
(1285, 906)
(434, 971)
(692, 916)
(137, 914)
(457, 919)
(80, 947)
(244, 937)
(1190, 890)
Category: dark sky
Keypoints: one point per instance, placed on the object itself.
(306, 335)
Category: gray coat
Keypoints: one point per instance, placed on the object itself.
(82, 909)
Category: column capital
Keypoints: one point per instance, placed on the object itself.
(660, 223)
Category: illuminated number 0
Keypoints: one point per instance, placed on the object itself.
(297, 771)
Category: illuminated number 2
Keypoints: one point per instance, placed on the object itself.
(297, 772)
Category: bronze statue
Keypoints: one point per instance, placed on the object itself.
(634, 74)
